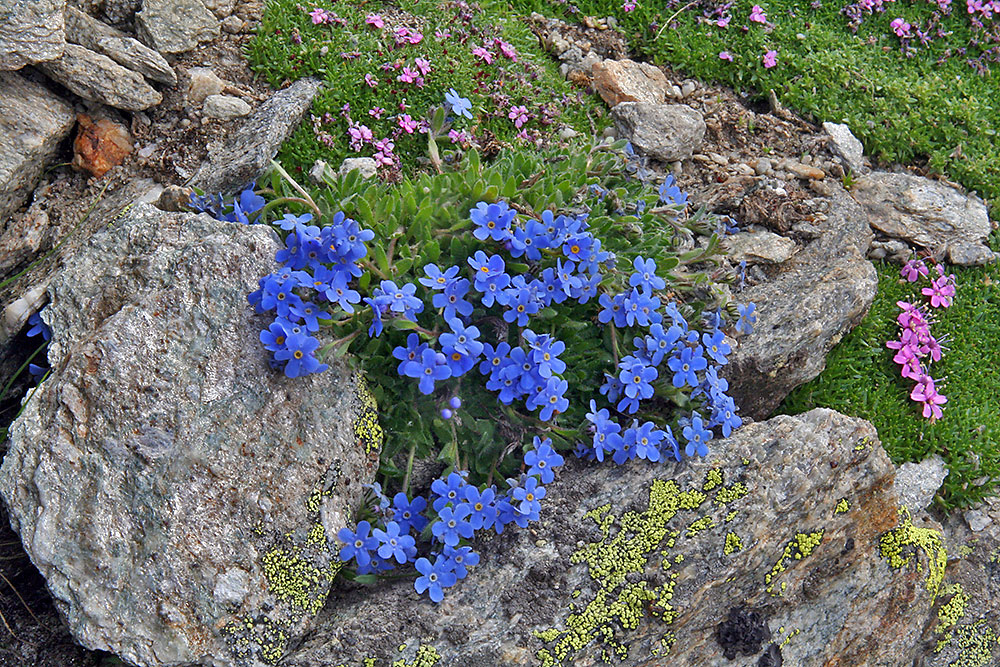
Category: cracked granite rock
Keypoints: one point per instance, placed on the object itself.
(177, 493)
(794, 520)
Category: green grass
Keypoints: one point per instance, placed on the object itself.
(902, 109)
(532, 81)
(861, 380)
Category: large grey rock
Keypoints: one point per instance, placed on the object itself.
(96, 77)
(243, 155)
(33, 122)
(847, 146)
(173, 489)
(175, 26)
(31, 32)
(88, 32)
(815, 298)
(640, 564)
(927, 213)
(667, 132)
(620, 81)
(916, 483)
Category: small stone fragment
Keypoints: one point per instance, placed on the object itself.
(204, 82)
(977, 520)
(233, 25)
(175, 198)
(175, 26)
(846, 145)
(366, 165)
(225, 107)
(23, 239)
(762, 166)
(805, 171)
(618, 81)
(667, 132)
(916, 483)
(759, 246)
(100, 145)
(97, 78)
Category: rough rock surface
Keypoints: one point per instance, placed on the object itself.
(98, 78)
(916, 483)
(620, 81)
(32, 123)
(847, 146)
(175, 492)
(175, 26)
(225, 107)
(119, 11)
(927, 213)
(667, 132)
(367, 167)
(248, 150)
(791, 520)
(759, 246)
(203, 83)
(815, 298)
(90, 33)
(31, 31)
(100, 145)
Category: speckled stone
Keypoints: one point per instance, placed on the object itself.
(176, 492)
(666, 132)
(96, 77)
(83, 29)
(31, 31)
(643, 562)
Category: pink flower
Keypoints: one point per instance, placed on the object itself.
(723, 22)
(926, 393)
(376, 112)
(423, 65)
(940, 292)
(371, 81)
(770, 59)
(913, 269)
(506, 49)
(384, 154)
(483, 53)
(319, 16)
(757, 14)
(457, 136)
(629, 6)
(360, 134)
(901, 28)
(408, 75)
(519, 115)
(405, 35)
(725, 55)
(441, 35)
(407, 124)
(375, 20)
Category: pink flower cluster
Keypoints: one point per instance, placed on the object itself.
(901, 28)
(757, 14)
(916, 346)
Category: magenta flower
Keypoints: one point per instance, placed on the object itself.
(319, 16)
(423, 65)
(371, 81)
(404, 35)
(770, 59)
(725, 55)
(926, 393)
(441, 35)
(407, 124)
(376, 112)
(723, 22)
(457, 136)
(901, 28)
(375, 20)
(913, 269)
(506, 49)
(519, 115)
(940, 292)
(757, 14)
(408, 75)
(480, 52)
(628, 6)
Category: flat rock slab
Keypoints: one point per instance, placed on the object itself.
(667, 132)
(926, 213)
(175, 491)
(792, 519)
(88, 32)
(175, 26)
(759, 247)
(98, 78)
(620, 81)
(814, 299)
(31, 32)
(33, 122)
(246, 153)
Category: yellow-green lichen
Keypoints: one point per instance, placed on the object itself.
(294, 580)
(953, 610)
(547, 636)
(317, 534)
(732, 515)
(746, 461)
(974, 643)
(789, 637)
(366, 426)
(995, 556)
(842, 506)
(701, 524)
(898, 545)
(799, 547)
(728, 494)
(575, 594)
(733, 544)
(427, 656)
(314, 500)
(618, 602)
(713, 478)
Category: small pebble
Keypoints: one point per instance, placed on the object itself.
(763, 166)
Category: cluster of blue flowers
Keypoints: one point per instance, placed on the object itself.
(455, 512)
(323, 261)
(239, 209)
